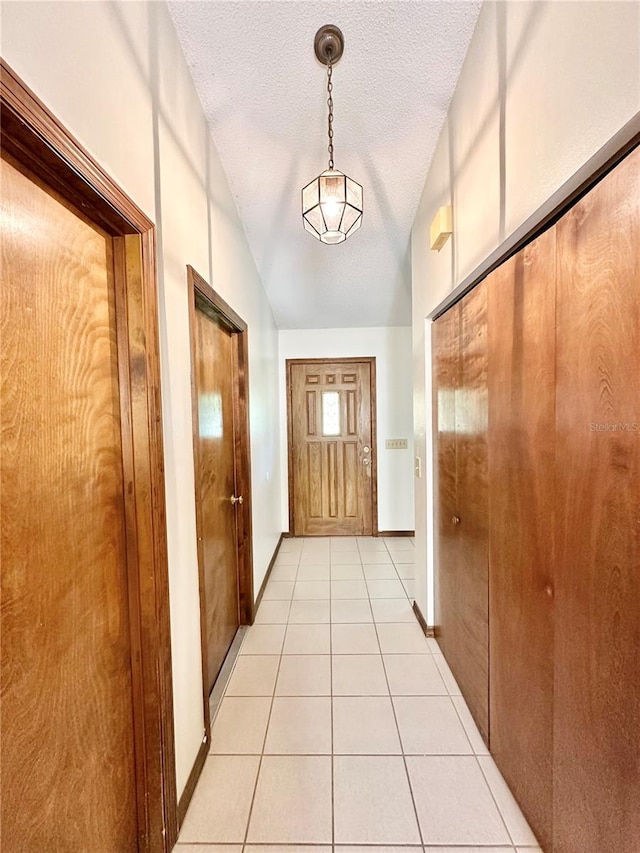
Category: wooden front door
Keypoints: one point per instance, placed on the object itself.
(67, 708)
(332, 460)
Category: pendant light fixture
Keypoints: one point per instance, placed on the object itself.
(332, 203)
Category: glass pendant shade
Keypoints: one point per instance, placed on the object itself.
(332, 207)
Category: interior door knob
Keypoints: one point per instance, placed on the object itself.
(236, 500)
(455, 519)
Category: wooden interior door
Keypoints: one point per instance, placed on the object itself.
(215, 487)
(332, 453)
(462, 617)
(597, 591)
(521, 311)
(68, 770)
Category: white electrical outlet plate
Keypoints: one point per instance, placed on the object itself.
(397, 444)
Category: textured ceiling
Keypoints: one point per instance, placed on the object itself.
(263, 92)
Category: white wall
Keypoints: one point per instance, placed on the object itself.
(114, 74)
(545, 86)
(392, 348)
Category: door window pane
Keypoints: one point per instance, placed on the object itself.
(331, 413)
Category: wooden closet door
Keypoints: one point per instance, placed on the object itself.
(521, 311)
(460, 388)
(597, 640)
(446, 376)
(473, 511)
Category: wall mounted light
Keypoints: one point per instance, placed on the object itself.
(332, 203)
(441, 228)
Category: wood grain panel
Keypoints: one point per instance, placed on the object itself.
(67, 706)
(350, 463)
(461, 582)
(332, 478)
(446, 377)
(312, 428)
(597, 603)
(471, 406)
(216, 485)
(351, 402)
(314, 482)
(332, 491)
(521, 315)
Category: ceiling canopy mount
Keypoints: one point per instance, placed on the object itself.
(329, 44)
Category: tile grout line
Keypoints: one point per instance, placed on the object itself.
(463, 848)
(333, 796)
(511, 844)
(243, 845)
(455, 695)
(502, 817)
(397, 576)
(347, 754)
(472, 755)
(404, 758)
(266, 731)
(464, 728)
(473, 752)
(331, 843)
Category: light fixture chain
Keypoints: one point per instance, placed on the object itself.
(332, 203)
(330, 105)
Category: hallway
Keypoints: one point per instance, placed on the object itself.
(341, 724)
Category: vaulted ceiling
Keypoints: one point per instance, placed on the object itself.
(263, 92)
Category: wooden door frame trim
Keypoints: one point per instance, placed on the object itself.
(371, 361)
(34, 136)
(202, 295)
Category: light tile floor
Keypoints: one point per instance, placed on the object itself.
(342, 729)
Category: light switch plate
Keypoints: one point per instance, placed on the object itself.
(396, 444)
